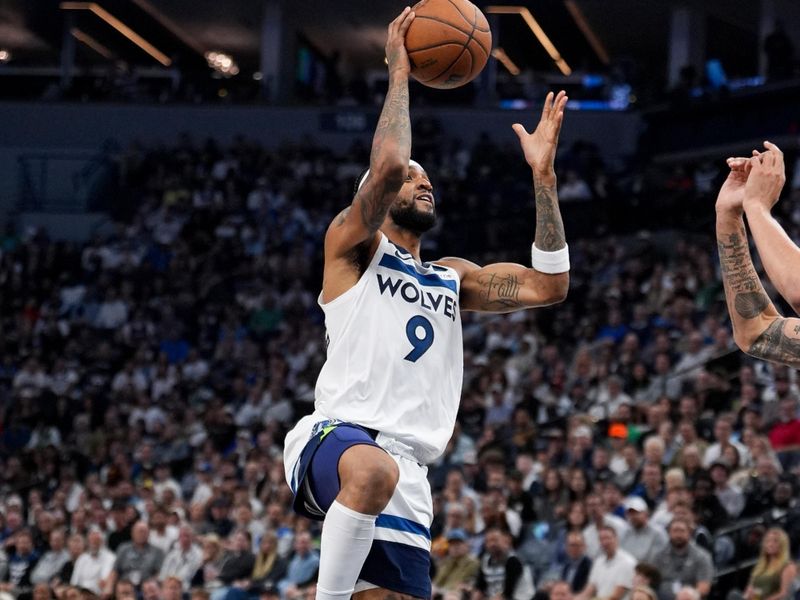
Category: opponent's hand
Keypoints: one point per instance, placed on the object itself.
(540, 146)
(767, 176)
(396, 54)
(731, 194)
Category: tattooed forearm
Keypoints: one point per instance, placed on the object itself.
(776, 346)
(549, 226)
(499, 292)
(390, 145)
(742, 285)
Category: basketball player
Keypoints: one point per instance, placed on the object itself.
(387, 397)
(752, 188)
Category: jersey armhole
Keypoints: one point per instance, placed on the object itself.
(340, 299)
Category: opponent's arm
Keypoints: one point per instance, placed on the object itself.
(780, 256)
(758, 328)
(391, 151)
(505, 287)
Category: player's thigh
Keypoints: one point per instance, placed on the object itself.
(381, 594)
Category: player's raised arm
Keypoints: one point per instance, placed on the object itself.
(391, 151)
(758, 328)
(780, 256)
(505, 287)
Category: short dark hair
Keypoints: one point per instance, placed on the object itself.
(650, 572)
(606, 527)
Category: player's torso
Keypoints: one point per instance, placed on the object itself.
(394, 358)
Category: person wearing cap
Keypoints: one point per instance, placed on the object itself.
(731, 498)
(612, 571)
(458, 569)
(642, 540)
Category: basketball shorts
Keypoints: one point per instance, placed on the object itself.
(399, 559)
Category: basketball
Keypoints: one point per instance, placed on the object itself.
(448, 42)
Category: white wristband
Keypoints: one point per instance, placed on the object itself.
(550, 262)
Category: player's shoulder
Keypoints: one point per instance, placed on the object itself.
(462, 266)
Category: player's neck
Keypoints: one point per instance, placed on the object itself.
(409, 240)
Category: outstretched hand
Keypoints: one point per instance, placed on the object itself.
(731, 194)
(767, 177)
(540, 146)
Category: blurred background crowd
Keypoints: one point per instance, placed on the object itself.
(616, 442)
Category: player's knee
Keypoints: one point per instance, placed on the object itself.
(372, 481)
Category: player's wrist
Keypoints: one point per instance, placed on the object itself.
(755, 205)
(544, 176)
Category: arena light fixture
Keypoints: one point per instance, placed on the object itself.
(222, 63)
(537, 30)
(587, 31)
(504, 60)
(84, 37)
(120, 27)
(5, 56)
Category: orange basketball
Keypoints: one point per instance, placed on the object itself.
(448, 42)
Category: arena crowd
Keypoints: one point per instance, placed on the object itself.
(617, 445)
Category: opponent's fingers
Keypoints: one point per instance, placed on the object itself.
(773, 148)
(559, 102)
(548, 105)
(520, 131)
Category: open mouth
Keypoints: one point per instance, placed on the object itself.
(426, 198)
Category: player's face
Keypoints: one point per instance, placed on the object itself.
(415, 207)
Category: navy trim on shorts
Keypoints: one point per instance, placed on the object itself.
(399, 568)
(317, 483)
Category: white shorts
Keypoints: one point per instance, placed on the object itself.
(399, 559)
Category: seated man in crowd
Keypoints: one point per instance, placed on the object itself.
(612, 571)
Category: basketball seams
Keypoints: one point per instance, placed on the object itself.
(437, 45)
(460, 54)
(474, 22)
(442, 21)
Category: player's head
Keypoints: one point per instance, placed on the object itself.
(414, 208)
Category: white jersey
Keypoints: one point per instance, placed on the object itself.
(395, 356)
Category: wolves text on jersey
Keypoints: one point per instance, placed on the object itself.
(408, 291)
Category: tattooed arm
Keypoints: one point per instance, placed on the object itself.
(391, 151)
(758, 328)
(779, 254)
(506, 287)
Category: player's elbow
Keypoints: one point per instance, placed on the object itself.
(744, 340)
(560, 288)
(391, 170)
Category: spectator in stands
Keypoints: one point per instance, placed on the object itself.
(785, 433)
(561, 590)
(683, 563)
(184, 559)
(269, 568)
(171, 589)
(237, 564)
(93, 568)
(651, 489)
(576, 566)
(458, 570)
(731, 498)
(612, 571)
(137, 560)
(773, 576)
(501, 573)
(723, 429)
(21, 563)
(302, 568)
(52, 561)
(642, 539)
(599, 517)
(162, 534)
(124, 590)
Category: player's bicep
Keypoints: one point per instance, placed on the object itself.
(506, 287)
(778, 342)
